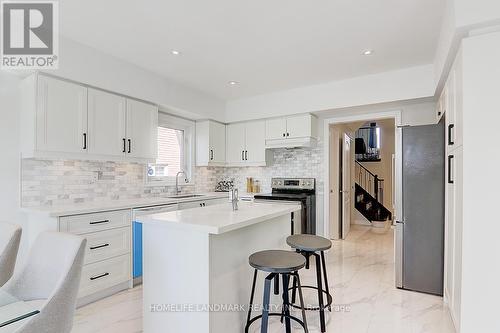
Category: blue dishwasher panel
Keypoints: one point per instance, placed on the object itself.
(137, 251)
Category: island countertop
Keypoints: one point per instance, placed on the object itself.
(218, 219)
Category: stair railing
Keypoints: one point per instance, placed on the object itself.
(370, 182)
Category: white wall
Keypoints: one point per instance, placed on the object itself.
(481, 227)
(84, 64)
(413, 113)
(9, 147)
(461, 17)
(476, 12)
(410, 83)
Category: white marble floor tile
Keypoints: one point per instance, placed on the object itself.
(361, 277)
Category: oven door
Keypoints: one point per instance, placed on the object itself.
(299, 218)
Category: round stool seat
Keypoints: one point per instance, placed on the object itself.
(310, 243)
(277, 261)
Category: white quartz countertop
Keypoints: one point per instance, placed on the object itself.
(108, 205)
(218, 219)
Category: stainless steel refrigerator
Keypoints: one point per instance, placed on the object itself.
(420, 230)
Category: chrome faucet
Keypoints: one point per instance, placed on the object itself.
(177, 189)
(234, 198)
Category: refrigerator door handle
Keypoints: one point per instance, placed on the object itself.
(399, 253)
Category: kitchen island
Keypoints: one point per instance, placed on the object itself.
(196, 275)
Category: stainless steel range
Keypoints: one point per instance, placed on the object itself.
(293, 190)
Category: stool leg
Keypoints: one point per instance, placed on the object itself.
(325, 276)
(265, 303)
(320, 293)
(251, 301)
(286, 302)
(301, 298)
(277, 284)
(294, 289)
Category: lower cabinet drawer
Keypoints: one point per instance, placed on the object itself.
(104, 274)
(107, 244)
(86, 223)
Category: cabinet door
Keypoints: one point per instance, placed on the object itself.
(191, 204)
(298, 126)
(458, 94)
(457, 242)
(142, 130)
(255, 141)
(450, 109)
(61, 116)
(217, 133)
(235, 143)
(450, 230)
(106, 123)
(276, 129)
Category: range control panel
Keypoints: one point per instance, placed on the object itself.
(293, 183)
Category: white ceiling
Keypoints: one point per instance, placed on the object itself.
(265, 45)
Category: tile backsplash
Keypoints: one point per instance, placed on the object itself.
(60, 182)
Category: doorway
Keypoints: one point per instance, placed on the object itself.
(362, 172)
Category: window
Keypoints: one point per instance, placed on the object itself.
(368, 142)
(175, 148)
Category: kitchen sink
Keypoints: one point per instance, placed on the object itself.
(185, 196)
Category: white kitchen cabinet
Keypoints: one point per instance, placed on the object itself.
(61, 116)
(292, 131)
(454, 105)
(454, 235)
(107, 267)
(255, 143)
(142, 130)
(454, 190)
(246, 144)
(235, 143)
(106, 123)
(202, 203)
(66, 120)
(276, 129)
(210, 143)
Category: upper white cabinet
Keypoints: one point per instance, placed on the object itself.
(276, 129)
(106, 120)
(142, 130)
(61, 116)
(451, 103)
(62, 119)
(235, 143)
(293, 131)
(245, 144)
(210, 143)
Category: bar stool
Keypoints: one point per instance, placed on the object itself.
(310, 245)
(277, 262)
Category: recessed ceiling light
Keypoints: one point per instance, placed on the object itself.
(175, 52)
(233, 83)
(367, 52)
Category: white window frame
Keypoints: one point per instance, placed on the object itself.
(188, 126)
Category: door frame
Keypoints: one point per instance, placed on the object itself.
(396, 115)
(342, 165)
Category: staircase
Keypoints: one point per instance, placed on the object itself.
(369, 194)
